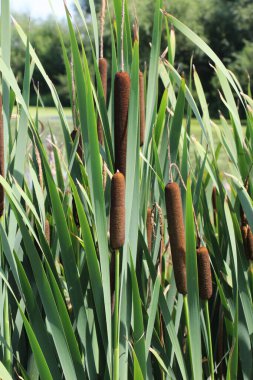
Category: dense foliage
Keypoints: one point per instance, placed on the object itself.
(143, 274)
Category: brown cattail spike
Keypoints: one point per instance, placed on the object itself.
(117, 218)
(176, 234)
(1, 157)
(250, 244)
(102, 64)
(149, 228)
(80, 143)
(121, 102)
(204, 274)
(142, 108)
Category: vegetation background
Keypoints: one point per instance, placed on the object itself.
(226, 25)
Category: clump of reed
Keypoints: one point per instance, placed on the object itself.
(204, 274)
(117, 215)
(1, 157)
(176, 234)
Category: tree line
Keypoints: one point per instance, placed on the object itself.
(226, 25)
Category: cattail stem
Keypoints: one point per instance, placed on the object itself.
(210, 358)
(122, 34)
(116, 320)
(187, 321)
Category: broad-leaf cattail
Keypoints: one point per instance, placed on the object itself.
(1, 157)
(47, 231)
(250, 244)
(80, 143)
(121, 103)
(204, 274)
(102, 65)
(176, 234)
(142, 108)
(149, 228)
(117, 216)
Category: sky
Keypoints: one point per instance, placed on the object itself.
(38, 8)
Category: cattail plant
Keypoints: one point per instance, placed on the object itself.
(102, 65)
(204, 274)
(1, 157)
(149, 227)
(117, 239)
(176, 234)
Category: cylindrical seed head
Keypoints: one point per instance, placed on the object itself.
(1, 157)
(176, 233)
(142, 108)
(250, 244)
(204, 274)
(121, 102)
(149, 228)
(117, 215)
(102, 65)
